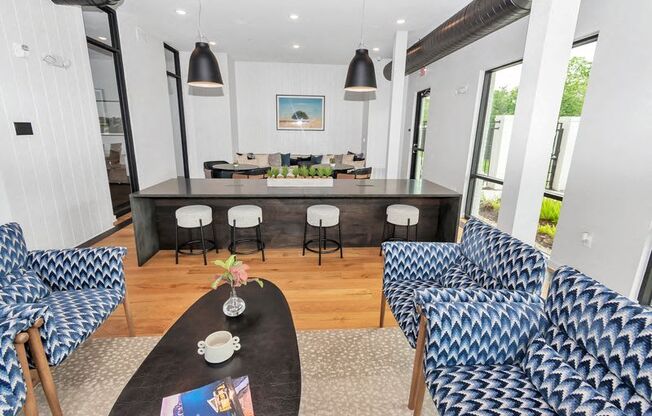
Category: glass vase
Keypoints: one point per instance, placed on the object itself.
(234, 305)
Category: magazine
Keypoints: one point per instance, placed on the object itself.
(228, 397)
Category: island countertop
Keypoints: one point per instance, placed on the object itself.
(235, 188)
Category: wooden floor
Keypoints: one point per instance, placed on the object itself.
(342, 293)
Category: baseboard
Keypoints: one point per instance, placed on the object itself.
(105, 234)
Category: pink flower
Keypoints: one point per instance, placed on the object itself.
(240, 275)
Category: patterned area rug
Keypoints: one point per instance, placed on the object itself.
(366, 371)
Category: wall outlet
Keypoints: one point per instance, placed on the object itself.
(21, 50)
(587, 239)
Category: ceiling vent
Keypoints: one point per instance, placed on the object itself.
(87, 2)
(475, 21)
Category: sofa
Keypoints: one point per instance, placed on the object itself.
(586, 351)
(485, 259)
(357, 160)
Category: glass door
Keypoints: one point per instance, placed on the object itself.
(419, 135)
(111, 100)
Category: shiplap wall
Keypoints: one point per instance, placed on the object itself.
(259, 82)
(55, 182)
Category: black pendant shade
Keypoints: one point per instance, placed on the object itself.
(203, 70)
(361, 76)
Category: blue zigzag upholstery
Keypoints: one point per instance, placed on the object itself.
(485, 259)
(587, 352)
(12, 384)
(79, 288)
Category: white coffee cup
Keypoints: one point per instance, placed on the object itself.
(218, 347)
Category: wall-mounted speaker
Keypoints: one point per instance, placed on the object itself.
(87, 2)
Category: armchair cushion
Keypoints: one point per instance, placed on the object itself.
(13, 250)
(418, 261)
(74, 316)
(86, 268)
(432, 295)
(22, 286)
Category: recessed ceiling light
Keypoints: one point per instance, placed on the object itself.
(400, 21)
(294, 16)
(296, 46)
(375, 49)
(212, 43)
(181, 12)
(102, 38)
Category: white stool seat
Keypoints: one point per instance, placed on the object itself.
(399, 214)
(190, 216)
(245, 216)
(327, 214)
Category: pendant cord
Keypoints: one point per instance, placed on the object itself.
(201, 37)
(362, 25)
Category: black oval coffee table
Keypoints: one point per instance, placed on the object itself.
(269, 355)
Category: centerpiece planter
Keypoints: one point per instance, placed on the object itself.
(300, 182)
(235, 274)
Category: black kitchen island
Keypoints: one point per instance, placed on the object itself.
(362, 205)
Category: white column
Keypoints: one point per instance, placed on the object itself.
(396, 105)
(547, 50)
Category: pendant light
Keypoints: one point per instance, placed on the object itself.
(361, 76)
(203, 71)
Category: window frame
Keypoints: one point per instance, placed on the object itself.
(182, 112)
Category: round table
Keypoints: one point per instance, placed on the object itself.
(234, 167)
(337, 167)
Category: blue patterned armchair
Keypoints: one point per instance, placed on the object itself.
(77, 288)
(587, 351)
(487, 260)
(15, 380)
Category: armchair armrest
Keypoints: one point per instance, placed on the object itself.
(432, 295)
(480, 333)
(19, 317)
(84, 268)
(418, 261)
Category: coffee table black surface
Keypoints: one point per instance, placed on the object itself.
(269, 355)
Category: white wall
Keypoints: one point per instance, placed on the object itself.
(55, 181)
(149, 105)
(609, 182)
(609, 189)
(208, 118)
(259, 82)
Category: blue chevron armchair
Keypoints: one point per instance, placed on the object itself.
(486, 260)
(587, 351)
(77, 288)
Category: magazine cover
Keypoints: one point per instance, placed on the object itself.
(228, 397)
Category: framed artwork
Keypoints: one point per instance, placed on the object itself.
(300, 112)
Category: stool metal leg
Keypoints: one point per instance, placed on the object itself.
(325, 238)
(339, 230)
(407, 232)
(203, 243)
(217, 250)
(233, 243)
(319, 242)
(416, 232)
(305, 230)
(260, 238)
(176, 243)
(382, 237)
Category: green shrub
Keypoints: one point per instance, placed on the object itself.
(492, 204)
(273, 172)
(547, 229)
(550, 209)
(303, 171)
(284, 171)
(312, 171)
(296, 171)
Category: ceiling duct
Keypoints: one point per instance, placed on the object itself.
(477, 20)
(87, 2)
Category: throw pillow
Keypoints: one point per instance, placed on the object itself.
(285, 159)
(242, 159)
(316, 160)
(338, 158)
(251, 156)
(347, 159)
(275, 160)
(358, 164)
(262, 160)
(357, 156)
(23, 286)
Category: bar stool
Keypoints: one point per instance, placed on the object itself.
(399, 215)
(242, 217)
(322, 217)
(191, 217)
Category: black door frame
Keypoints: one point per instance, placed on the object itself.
(182, 112)
(122, 96)
(415, 134)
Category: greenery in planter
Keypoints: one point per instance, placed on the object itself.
(273, 172)
(303, 171)
(550, 209)
(296, 171)
(284, 171)
(325, 172)
(312, 171)
(547, 229)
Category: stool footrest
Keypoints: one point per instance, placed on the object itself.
(195, 246)
(327, 250)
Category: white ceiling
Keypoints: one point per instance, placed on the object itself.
(328, 31)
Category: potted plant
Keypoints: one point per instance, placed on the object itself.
(312, 172)
(284, 171)
(332, 161)
(235, 273)
(295, 171)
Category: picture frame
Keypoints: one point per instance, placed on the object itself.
(300, 112)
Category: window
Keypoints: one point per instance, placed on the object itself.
(492, 143)
(111, 99)
(175, 93)
(499, 96)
